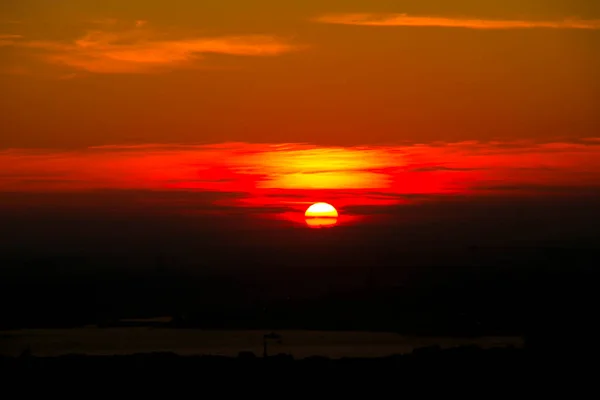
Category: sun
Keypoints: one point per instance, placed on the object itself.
(321, 215)
(322, 210)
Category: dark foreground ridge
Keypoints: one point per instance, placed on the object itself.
(425, 370)
(429, 359)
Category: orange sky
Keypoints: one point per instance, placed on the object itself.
(89, 72)
(279, 104)
(282, 180)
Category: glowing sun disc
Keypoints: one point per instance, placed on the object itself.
(321, 215)
(321, 210)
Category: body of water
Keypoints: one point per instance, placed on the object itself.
(300, 344)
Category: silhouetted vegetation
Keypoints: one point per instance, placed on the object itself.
(431, 359)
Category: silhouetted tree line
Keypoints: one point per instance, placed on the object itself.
(431, 359)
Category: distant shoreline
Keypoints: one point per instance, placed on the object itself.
(258, 329)
(494, 363)
(222, 342)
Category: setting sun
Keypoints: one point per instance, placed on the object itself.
(321, 210)
(321, 215)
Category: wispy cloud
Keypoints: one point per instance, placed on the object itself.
(373, 19)
(9, 39)
(140, 49)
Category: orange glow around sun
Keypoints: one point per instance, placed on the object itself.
(279, 181)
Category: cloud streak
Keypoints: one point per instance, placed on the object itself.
(269, 177)
(142, 50)
(9, 39)
(373, 19)
(242, 167)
